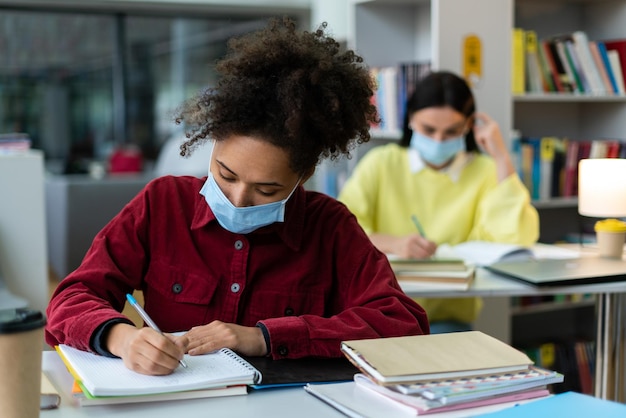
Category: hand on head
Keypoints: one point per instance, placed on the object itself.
(488, 136)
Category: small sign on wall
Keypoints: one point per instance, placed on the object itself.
(472, 60)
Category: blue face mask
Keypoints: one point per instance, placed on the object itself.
(244, 219)
(436, 152)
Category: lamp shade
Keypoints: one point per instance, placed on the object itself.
(602, 187)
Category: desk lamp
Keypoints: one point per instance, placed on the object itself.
(602, 194)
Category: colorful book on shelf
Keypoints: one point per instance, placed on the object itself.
(104, 376)
(619, 46)
(410, 359)
(574, 61)
(518, 66)
(561, 51)
(618, 70)
(602, 67)
(568, 404)
(588, 65)
(607, 65)
(550, 63)
(534, 75)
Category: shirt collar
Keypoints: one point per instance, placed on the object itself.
(417, 164)
(289, 231)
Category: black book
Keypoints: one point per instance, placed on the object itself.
(299, 372)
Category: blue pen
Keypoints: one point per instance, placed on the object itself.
(418, 226)
(147, 319)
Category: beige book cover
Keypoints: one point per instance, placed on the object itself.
(431, 357)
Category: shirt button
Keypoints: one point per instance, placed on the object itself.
(283, 351)
(288, 311)
(177, 288)
(238, 245)
(235, 287)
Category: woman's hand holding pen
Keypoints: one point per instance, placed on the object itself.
(414, 246)
(145, 350)
(217, 334)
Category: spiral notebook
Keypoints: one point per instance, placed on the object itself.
(105, 376)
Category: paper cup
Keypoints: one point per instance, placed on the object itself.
(610, 244)
(21, 344)
(610, 234)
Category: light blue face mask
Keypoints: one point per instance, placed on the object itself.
(436, 152)
(245, 219)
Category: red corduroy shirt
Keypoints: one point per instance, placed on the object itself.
(312, 281)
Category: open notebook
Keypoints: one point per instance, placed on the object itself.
(104, 376)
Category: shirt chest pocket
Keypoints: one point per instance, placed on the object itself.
(178, 299)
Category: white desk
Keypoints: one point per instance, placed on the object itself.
(610, 318)
(275, 403)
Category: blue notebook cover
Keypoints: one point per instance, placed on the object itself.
(568, 404)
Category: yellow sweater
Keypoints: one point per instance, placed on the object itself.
(383, 193)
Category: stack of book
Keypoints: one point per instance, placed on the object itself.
(434, 273)
(440, 372)
(12, 143)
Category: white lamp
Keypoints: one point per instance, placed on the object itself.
(602, 194)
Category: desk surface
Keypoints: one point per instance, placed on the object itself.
(276, 403)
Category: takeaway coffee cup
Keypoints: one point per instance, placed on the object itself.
(21, 343)
(610, 234)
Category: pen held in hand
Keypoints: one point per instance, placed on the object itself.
(419, 227)
(144, 315)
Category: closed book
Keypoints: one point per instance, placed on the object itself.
(534, 77)
(600, 65)
(437, 280)
(358, 401)
(425, 404)
(454, 391)
(401, 265)
(518, 65)
(417, 358)
(607, 65)
(619, 46)
(592, 74)
(547, 152)
(86, 399)
(616, 67)
(551, 64)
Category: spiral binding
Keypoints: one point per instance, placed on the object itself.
(242, 364)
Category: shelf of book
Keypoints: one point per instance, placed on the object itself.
(567, 97)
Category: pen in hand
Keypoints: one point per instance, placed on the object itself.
(147, 319)
(418, 226)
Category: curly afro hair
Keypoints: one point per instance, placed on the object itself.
(294, 89)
